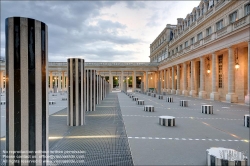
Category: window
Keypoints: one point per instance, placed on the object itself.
(220, 63)
(186, 44)
(233, 17)
(176, 49)
(192, 41)
(172, 52)
(247, 9)
(219, 25)
(199, 36)
(188, 22)
(194, 16)
(180, 47)
(209, 31)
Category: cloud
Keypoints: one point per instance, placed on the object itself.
(135, 4)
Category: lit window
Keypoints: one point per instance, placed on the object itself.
(247, 9)
(199, 36)
(219, 25)
(209, 31)
(233, 17)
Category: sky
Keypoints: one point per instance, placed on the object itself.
(99, 31)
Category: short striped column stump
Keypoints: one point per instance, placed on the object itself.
(149, 108)
(207, 109)
(246, 120)
(169, 99)
(54, 94)
(183, 103)
(64, 98)
(140, 102)
(131, 96)
(149, 93)
(167, 120)
(224, 156)
(2, 102)
(153, 95)
(160, 97)
(135, 98)
(52, 102)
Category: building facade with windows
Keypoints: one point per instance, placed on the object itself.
(207, 52)
(204, 55)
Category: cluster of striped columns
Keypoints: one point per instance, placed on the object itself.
(26, 91)
(76, 92)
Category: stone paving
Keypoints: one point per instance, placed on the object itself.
(193, 133)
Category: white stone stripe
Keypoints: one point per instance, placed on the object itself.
(24, 85)
(38, 88)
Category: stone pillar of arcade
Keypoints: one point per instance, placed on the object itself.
(26, 90)
(231, 96)
(202, 93)
(185, 92)
(247, 97)
(214, 95)
(76, 102)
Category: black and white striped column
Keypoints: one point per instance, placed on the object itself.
(224, 156)
(140, 102)
(160, 97)
(246, 120)
(26, 90)
(207, 109)
(76, 92)
(169, 99)
(183, 103)
(90, 90)
(149, 108)
(98, 89)
(167, 120)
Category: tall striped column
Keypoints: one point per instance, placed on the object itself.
(90, 90)
(26, 90)
(76, 116)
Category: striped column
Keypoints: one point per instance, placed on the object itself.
(97, 90)
(90, 90)
(26, 90)
(167, 120)
(59, 82)
(246, 120)
(207, 109)
(75, 92)
(63, 82)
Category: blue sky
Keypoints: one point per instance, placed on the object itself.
(99, 31)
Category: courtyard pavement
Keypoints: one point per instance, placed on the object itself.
(185, 143)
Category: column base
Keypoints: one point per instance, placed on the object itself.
(193, 93)
(247, 99)
(202, 95)
(169, 91)
(173, 91)
(231, 98)
(214, 96)
(178, 92)
(185, 92)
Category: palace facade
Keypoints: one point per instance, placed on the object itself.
(204, 55)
